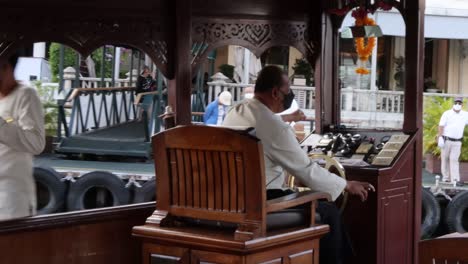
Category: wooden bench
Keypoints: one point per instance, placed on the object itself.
(449, 249)
(212, 204)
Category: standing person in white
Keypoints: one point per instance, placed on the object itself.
(21, 136)
(450, 136)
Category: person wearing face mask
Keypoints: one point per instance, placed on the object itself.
(450, 136)
(283, 154)
(292, 114)
(248, 92)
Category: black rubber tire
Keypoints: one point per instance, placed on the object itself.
(430, 214)
(456, 213)
(50, 180)
(146, 193)
(105, 180)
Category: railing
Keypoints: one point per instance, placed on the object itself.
(71, 80)
(103, 102)
(94, 108)
(89, 82)
(372, 101)
(305, 96)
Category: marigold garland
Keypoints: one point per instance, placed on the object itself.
(363, 50)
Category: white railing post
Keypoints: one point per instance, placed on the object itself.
(219, 80)
(69, 75)
(347, 99)
(134, 73)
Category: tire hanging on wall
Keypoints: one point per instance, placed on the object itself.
(145, 193)
(51, 191)
(456, 213)
(430, 214)
(95, 190)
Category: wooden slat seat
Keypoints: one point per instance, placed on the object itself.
(212, 196)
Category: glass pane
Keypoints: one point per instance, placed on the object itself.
(371, 76)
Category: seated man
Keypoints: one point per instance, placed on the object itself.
(283, 153)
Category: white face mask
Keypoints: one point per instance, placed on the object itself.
(457, 107)
(248, 95)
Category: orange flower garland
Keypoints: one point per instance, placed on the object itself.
(364, 51)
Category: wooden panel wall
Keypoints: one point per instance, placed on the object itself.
(85, 237)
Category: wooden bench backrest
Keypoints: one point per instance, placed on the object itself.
(211, 173)
(444, 250)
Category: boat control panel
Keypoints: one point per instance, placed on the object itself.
(357, 148)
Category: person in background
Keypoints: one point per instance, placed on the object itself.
(145, 82)
(217, 110)
(283, 154)
(248, 92)
(22, 135)
(450, 137)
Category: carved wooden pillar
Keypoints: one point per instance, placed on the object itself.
(180, 86)
(414, 48)
(324, 76)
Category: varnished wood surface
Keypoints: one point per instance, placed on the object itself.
(210, 173)
(222, 239)
(446, 250)
(213, 173)
(85, 237)
(295, 199)
(381, 229)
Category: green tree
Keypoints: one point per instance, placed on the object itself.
(302, 67)
(227, 70)
(50, 108)
(70, 60)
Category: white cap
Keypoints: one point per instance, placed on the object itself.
(225, 98)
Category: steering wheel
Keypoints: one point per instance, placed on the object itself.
(333, 166)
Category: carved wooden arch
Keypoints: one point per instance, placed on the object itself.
(338, 20)
(255, 35)
(85, 35)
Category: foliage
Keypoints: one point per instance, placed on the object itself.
(399, 71)
(227, 70)
(434, 107)
(302, 67)
(430, 83)
(70, 60)
(46, 94)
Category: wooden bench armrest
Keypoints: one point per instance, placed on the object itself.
(295, 199)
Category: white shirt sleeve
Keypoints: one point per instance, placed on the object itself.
(443, 119)
(288, 154)
(27, 133)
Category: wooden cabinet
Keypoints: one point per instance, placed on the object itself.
(382, 229)
(295, 248)
(306, 252)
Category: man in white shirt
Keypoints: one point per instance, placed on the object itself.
(450, 136)
(283, 154)
(21, 136)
